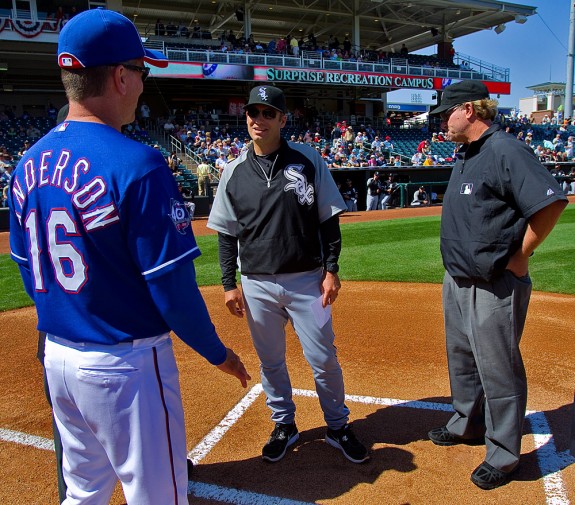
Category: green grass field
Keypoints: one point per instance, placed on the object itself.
(402, 250)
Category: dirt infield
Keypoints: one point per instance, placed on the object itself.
(391, 346)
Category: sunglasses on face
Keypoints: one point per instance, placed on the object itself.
(145, 71)
(447, 114)
(266, 113)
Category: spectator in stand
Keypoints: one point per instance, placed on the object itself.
(169, 127)
(361, 139)
(171, 29)
(52, 112)
(372, 162)
(33, 133)
(434, 137)
(294, 45)
(377, 144)
(387, 144)
(173, 161)
(282, 46)
(403, 51)
(429, 161)
(569, 151)
(370, 132)
(145, 114)
(363, 162)
(348, 136)
(353, 162)
(24, 148)
(203, 171)
(381, 161)
(335, 133)
(160, 29)
(221, 163)
(424, 147)
(336, 162)
(417, 159)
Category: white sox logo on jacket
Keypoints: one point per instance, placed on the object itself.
(299, 184)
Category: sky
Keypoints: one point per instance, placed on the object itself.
(535, 52)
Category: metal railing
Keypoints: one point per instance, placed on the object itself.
(469, 67)
(190, 156)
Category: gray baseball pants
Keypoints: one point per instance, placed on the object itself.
(272, 300)
(483, 326)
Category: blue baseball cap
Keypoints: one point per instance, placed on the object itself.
(100, 37)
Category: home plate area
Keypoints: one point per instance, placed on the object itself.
(543, 456)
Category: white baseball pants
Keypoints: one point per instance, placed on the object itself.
(120, 416)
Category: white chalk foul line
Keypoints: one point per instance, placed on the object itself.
(18, 437)
(550, 462)
(388, 402)
(236, 496)
(200, 451)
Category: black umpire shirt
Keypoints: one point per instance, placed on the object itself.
(496, 185)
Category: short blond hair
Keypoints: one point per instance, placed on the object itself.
(486, 108)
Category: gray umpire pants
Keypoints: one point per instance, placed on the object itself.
(483, 326)
(272, 300)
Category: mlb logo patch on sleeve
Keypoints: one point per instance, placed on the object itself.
(179, 216)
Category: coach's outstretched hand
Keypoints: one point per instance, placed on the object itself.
(234, 366)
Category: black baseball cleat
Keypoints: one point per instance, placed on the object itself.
(442, 436)
(281, 438)
(344, 440)
(488, 477)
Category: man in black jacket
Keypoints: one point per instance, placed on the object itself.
(279, 202)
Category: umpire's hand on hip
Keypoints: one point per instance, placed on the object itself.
(329, 288)
(234, 366)
(235, 302)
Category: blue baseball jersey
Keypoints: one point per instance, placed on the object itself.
(94, 215)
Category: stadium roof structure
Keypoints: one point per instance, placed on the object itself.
(29, 61)
(381, 24)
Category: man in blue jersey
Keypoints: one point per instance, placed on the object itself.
(105, 247)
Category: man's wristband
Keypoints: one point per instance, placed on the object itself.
(332, 268)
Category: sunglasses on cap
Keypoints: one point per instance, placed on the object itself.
(254, 113)
(145, 71)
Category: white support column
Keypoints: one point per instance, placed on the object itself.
(570, 51)
(247, 20)
(355, 31)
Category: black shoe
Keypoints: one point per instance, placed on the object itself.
(442, 436)
(486, 476)
(190, 468)
(281, 438)
(345, 440)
